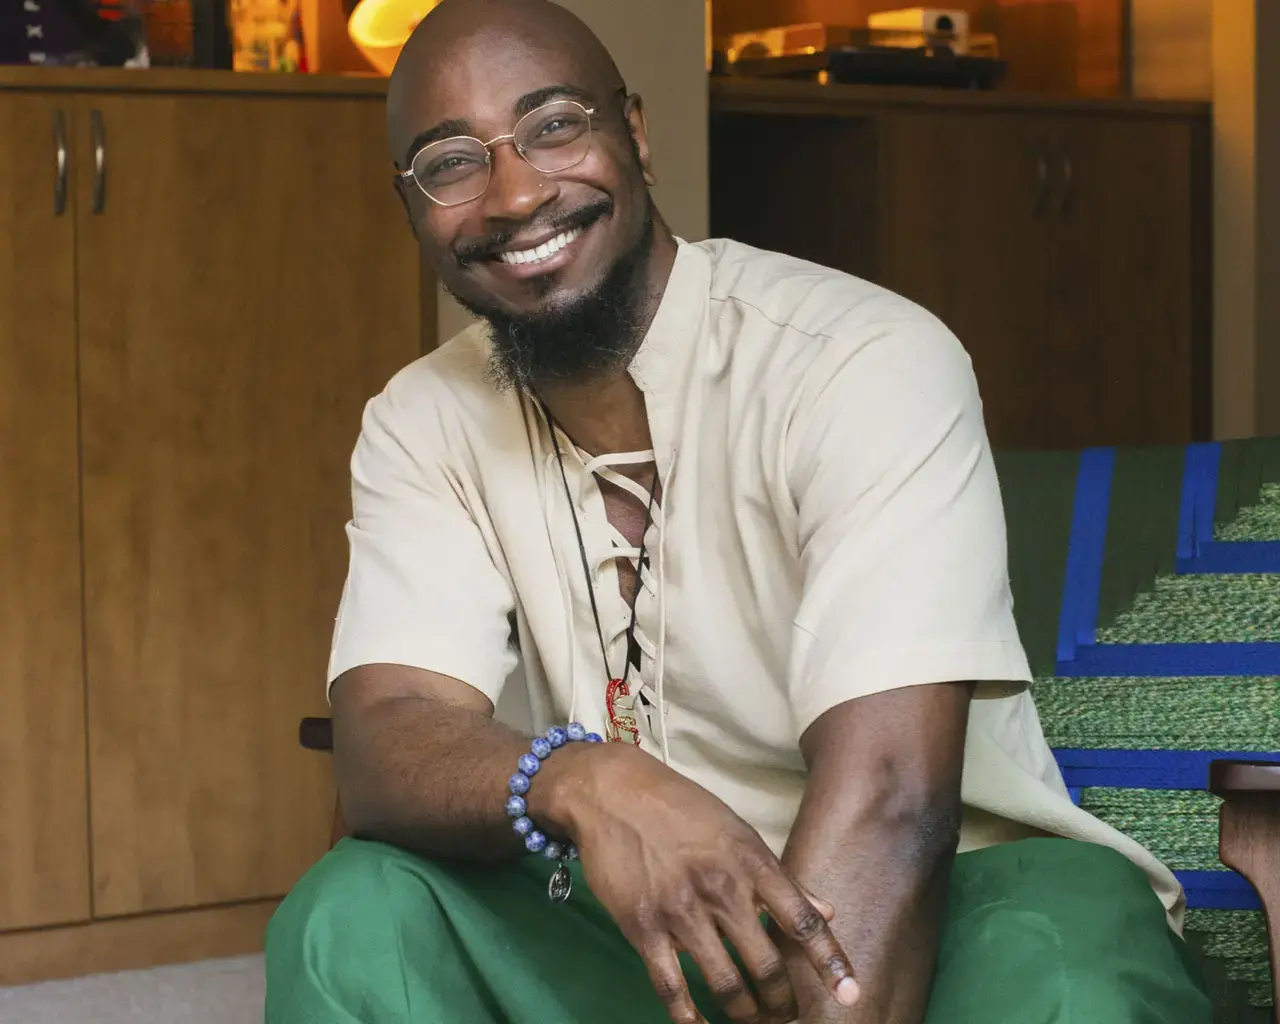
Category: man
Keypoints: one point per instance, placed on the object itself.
(739, 515)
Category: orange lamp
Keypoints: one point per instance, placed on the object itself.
(380, 28)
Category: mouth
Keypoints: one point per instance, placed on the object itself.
(537, 255)
(542, 252)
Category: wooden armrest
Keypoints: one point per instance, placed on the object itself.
(1249, 836)
(316, 734)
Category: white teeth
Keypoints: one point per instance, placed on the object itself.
(540, 252)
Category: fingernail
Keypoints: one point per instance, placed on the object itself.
(847, 992)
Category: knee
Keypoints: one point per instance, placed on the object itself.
(343, 894)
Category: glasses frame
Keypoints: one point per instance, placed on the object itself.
(498, 140)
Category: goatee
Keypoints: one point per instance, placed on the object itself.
(569, 342)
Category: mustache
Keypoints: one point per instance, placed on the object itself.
(473, 250)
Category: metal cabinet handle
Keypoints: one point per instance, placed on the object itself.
(1042, 182)
(1068, 185)
(60, 163)
(99, 135)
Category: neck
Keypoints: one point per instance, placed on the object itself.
(606, 413)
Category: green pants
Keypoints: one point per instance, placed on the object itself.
(1043, 931)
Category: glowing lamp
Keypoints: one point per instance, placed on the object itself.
(380, 28)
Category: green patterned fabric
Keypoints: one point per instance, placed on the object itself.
(1143, 601)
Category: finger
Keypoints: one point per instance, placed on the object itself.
(824, 908)
(668, 980)
(764, 963)
(801, 921)
(702, 941)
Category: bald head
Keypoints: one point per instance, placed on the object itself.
(464, 45)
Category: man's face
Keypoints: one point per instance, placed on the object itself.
(481, 90)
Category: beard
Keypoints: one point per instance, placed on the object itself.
(574, 340)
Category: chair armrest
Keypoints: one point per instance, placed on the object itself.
(316, 734)
(1249, 836)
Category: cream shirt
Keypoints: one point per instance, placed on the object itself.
(831, 527)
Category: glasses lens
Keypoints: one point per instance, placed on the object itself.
(453, 170)
(555, 136)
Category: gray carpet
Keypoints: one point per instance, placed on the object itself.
(210, 992)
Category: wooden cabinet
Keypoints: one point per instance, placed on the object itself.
(1066, 243)
(44, 839)
(185, 353)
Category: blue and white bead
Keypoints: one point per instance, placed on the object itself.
(517, 807)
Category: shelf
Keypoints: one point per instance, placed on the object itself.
(186, 80)
(789, 96)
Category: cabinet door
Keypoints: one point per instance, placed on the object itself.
(44, 841)
(962, 234)
(247, 281)
(1126, 347)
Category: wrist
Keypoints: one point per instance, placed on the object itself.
(566, 788)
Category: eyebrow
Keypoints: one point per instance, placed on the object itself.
(529, 101)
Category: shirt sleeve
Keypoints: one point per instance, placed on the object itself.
(900, 523)
(422, 588)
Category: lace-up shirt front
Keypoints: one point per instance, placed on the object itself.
(829, 526)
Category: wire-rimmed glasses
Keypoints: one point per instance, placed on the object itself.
(550, 138)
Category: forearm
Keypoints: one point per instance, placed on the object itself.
(885, 871)
(431, 776)
(876, 836)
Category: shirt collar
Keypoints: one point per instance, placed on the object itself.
(663, 365)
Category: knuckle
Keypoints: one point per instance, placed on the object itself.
(770, 974)
(726, 987)
(670, 989)
(809, 924)
(719, 884)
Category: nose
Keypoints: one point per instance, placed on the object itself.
(516, 189)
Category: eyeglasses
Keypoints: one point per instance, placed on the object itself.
(550, 138)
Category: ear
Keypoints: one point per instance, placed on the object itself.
(633, 110)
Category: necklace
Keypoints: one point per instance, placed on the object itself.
(618, 726)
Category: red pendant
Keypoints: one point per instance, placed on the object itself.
(620, 728)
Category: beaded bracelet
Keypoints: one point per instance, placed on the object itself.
(534, 841)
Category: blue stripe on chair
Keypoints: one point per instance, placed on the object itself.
(1173, 660)
(1199, 497)
(1146, 769)
(1078, 619)
(1228, 557)
(1218, 890)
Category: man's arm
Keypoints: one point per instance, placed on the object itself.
(421, 763)
(876, 835)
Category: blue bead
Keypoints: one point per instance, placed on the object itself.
(541, 748)
(551, 851)
(594, 737)
(571, 851)
(534, 842)
(518, 784)
(557, 737)
(516, 807)
(523, 826)
(529, 764)
(576, 731)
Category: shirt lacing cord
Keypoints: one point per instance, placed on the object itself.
(646, 695)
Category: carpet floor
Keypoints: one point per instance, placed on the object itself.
(227, 991)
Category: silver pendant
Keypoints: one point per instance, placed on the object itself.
(561, 884)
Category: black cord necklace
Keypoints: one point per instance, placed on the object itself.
(617, 686)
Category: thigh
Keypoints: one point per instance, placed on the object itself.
(1053, 931)
(378, 935)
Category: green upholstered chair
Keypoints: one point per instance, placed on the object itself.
(1146, 584)
(1147, 591)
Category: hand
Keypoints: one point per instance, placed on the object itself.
(677, 869)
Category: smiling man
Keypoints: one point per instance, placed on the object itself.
(737, 518)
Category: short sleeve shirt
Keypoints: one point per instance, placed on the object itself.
(830, 527)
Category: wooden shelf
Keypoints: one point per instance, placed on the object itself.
(790, 96)
(188, 80)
